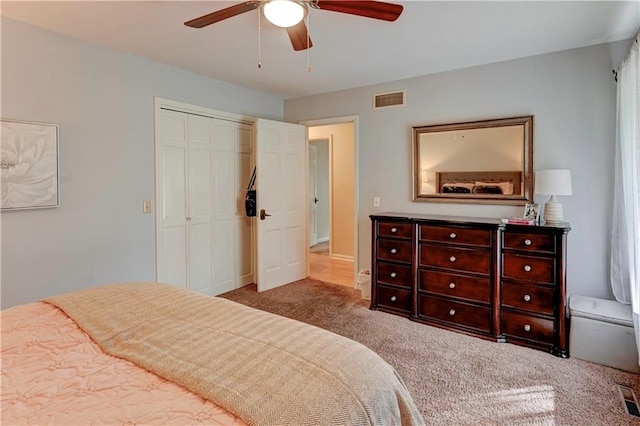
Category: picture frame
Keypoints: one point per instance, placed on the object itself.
(532, 211)
(28, 165)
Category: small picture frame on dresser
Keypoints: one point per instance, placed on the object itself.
(532, 211)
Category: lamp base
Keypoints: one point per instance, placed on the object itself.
(553, 211)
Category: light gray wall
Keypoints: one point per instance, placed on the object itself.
(103, 102)
(572, 95)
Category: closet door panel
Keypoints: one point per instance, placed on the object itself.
(172, 183)
(200, 258)
(200, 130)
(173, 270)
(200, 184)
(223, 258)
(172, 199)
(224, 169)
(199, 202)
(223, 205)
(224, 208)
(172, 244)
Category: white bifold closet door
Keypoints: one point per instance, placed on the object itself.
(204, 241)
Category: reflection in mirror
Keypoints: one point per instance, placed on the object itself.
(477, 162)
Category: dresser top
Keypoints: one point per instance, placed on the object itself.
(463, 219)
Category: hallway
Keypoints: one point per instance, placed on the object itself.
(324, 268)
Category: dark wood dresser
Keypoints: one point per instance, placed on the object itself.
(473, 275)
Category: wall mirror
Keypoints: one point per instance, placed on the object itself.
(481, 162)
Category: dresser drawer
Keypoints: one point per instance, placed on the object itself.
(459, 259)
(528, 242)
(478, 317)
(528, 268)
(454, 235)
(398, 251)
(390, 273)
(478, 289)
(394, 229)
(394, 298)
(528, 297)
(527, 327)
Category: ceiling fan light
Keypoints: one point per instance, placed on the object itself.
(283, 13)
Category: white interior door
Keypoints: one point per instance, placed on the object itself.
(281, 163)
(313, 195)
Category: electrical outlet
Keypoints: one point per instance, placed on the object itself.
(146, 206)
(376, 201)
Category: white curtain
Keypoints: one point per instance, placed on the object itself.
(625, 243)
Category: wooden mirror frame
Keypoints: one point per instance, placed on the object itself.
(522, 178)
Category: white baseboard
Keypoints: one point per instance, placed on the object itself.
(243, 281)
(342, 257)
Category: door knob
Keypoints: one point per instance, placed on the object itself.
(263, 214)
(315, 200)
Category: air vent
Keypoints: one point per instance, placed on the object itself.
(629, 400)
(389, 100)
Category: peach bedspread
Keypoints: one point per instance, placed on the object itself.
(53, 373)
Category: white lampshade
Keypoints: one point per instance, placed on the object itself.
(553, 182)
(283, 13)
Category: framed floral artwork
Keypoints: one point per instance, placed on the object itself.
(28, 165)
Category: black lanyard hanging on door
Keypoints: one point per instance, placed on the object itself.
(250, 198)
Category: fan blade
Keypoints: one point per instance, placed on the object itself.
(299, 36)
(222, 14)
(368, 9)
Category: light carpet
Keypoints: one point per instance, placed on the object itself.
(457, 379)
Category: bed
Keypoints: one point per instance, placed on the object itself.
(151, 353)
(486, 183)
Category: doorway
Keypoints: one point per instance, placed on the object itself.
(319, 196)
(332, 202)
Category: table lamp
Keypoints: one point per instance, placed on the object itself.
(553, 182)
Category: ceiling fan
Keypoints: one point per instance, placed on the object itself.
(290, 14)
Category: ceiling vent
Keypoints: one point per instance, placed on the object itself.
(389, 99)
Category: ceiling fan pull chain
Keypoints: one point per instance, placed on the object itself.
(259, 45)
(308, 40)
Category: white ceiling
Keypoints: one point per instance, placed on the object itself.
(349, 51)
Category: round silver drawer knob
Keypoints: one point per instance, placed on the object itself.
(452, 312)
(393, 275)
(452, 235)
(393, 298)
(527, 242)
(527, 327)
(527, 298)
(527, 268)
(452, 285)
(452, 258)
(394, 230)
(394, 251)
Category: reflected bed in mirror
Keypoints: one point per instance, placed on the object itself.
(482, 162)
